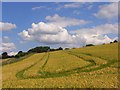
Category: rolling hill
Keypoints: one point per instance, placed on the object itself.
(87, 67)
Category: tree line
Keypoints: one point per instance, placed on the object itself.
(87, 45)
(39, 49)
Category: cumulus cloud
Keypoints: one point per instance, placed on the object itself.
(6, 26)
(53, 32)
(7, 46)
(108, 11)
(65, 21)
(98, 34)
(100, 29)
(49, 33)
(100, 39)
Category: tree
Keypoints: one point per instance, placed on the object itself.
(4, 55)
(53, 49)
(89, 45)
(20, 54)
(39, 49)
(60, 48)
(66, 48)
(115, 41)
(110, 42)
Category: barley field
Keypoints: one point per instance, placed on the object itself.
(87, 67)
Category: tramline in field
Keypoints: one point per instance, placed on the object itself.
(82, 68)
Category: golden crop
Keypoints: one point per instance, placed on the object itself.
(88, 67)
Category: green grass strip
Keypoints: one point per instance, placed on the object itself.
(20, 74)
(44, 74)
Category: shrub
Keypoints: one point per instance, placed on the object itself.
(39, 49)
(89, 45)
(4, 55)
(20, 54)
(115, 41)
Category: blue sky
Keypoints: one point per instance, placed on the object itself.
(88, 20)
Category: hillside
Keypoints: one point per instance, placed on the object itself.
(87, 67)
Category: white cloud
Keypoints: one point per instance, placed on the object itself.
(6, 26)
(65, 21)
(25, 35)
(12, 53)
(69, 5)
(39, 7)
(100, 29)
(49, 33)
(98, 34)
(97, 39)
(7, 46)
(108, 11)
(72, 5)
(53, 32)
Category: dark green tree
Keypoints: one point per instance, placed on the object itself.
(115, 41)
(20, 54)
(4, 55)
(60, 48)
(89, 45)
(39, 49)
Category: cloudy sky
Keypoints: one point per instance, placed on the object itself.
(27, 25)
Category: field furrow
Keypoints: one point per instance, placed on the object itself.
(33, 72)
(99, 62)
(49, 66)
(23, 73)
(55, 62)
(89, 67)
(54, 67)
(9, 71)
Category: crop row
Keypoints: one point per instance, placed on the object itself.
(22, 74)
(100, 63)
(60, 64)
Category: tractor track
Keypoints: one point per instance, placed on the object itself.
(20, 74)
(87, 68)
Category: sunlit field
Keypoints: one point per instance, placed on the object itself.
(87, 67)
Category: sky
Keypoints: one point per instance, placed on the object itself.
(26, 25)
(60, 0)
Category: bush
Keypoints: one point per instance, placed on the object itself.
(89, 45)
(39, 49)
(4, 55)
(115, 41)
(60, 48)
(66, 48)
(20, 54)
(52, 49)
(110, 42)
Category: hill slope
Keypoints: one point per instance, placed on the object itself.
(87, 67)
